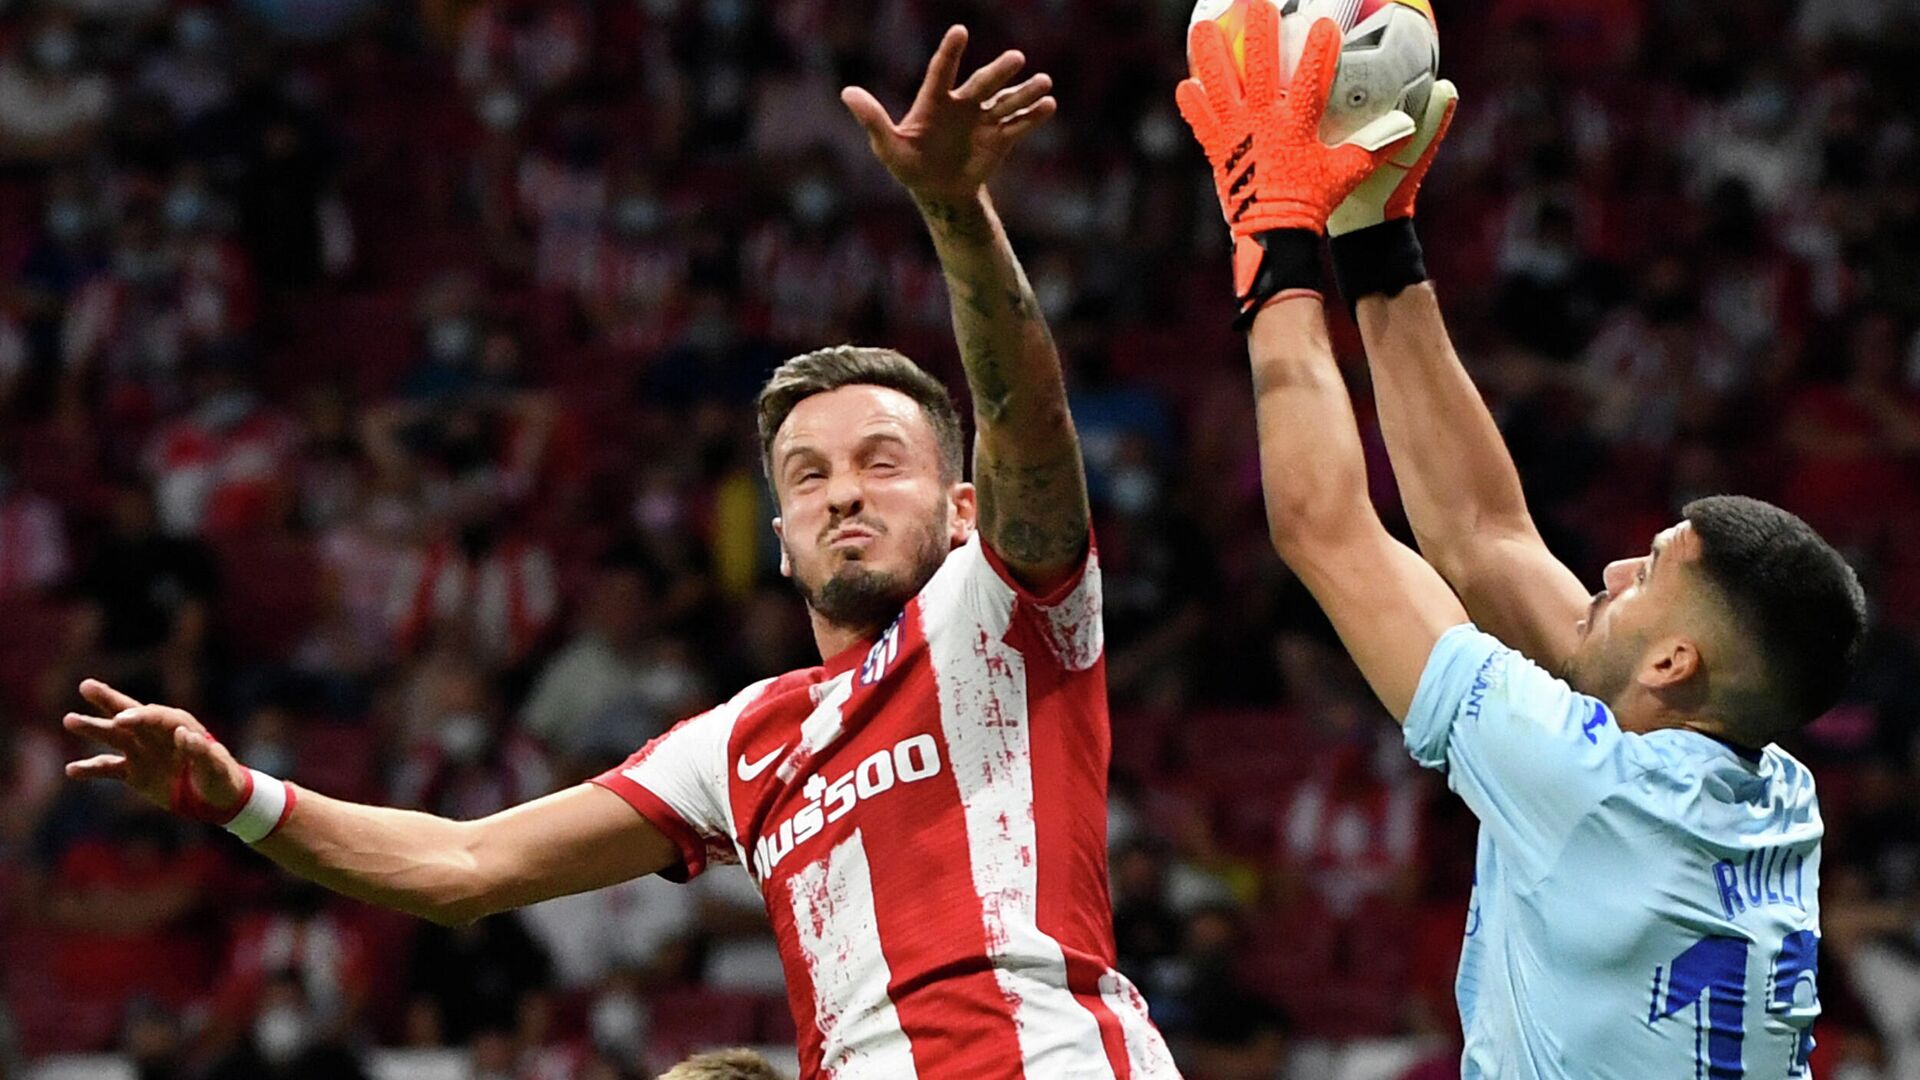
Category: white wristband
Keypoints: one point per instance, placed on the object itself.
(263, 811)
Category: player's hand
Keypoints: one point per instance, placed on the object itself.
(1263, 139)
(1389, 193)
(954, 138)
(164, 754)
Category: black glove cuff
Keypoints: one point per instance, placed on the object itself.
(1379, 260)
(1292, 261)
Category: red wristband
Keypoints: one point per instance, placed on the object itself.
(189, 804)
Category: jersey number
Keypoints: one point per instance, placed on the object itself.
(1711, 976)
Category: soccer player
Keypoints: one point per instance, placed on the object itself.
(1646, 885)
(925, 812)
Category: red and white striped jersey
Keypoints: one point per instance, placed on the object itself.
(925, 816)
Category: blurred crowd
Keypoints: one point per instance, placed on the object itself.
(375, 382)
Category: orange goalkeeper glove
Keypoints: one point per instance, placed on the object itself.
(1277, 181)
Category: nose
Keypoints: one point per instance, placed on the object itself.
(845, 497)
(1619, 575)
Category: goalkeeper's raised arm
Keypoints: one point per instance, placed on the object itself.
(449, 872)
(1457, 480)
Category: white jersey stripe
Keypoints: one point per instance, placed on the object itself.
(839, 935)
(982, 685)
(1147, 1054)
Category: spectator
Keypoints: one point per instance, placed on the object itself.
(147, 606)
(476, 589)
(1214, 1025)
(640, 928)
(468, 980)
(123, 902)
(621, 681)
(461, 762)
(286, 1041)
(301, 938)
(631, 281)
(33, 538)
(224, 468)
(51, 102)
(195, 76)
(127, 327)
(152, 1040)
(537, 47)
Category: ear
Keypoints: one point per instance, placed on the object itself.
(780, 534)
(963, 512)
(1670, 664)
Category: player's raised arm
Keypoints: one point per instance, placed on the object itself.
(1027, 465)
(1278, 183)
(1457, 481)
(446, 871)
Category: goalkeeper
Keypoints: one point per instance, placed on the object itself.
(1646, 889)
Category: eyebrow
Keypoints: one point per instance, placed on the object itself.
(1653, 560)
(869, 441)
(787, 458)
(865, 445)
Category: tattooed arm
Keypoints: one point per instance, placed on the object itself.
(1027, 466)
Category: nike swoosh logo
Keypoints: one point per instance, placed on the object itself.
(748, 771)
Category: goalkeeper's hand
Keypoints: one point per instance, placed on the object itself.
(1277, 181)
(1389, 193)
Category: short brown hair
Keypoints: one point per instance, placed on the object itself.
(723, 1065)
(830, 369)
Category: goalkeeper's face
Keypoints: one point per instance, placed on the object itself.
(868, 510)
(1648, 627)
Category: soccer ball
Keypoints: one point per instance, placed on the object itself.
(1389, 60)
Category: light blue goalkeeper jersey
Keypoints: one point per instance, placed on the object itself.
(1645, 906)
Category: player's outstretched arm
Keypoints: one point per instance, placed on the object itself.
(446, 871)
(1388, 605)
(1457, 481)
(1027, 465)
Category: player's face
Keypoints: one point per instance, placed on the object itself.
(1644, 600)
(866, 516)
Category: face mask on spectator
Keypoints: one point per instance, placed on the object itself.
(1133, 490)
(619, 1024)
(1159, 136)
(452, 341)
(271, 757)
(68, 218)
(56, 50)
(143, 266)
(196, 31)
(280, 1033)
(725, 15)
(813, 201)
(463, 738)
(711, 331)
(1056, 295)
(186, 208)
(501, 109)
(638, 216)
(224, 410)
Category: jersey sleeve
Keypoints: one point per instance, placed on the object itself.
(678, 782)
(979, 587)
(1529, 755)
